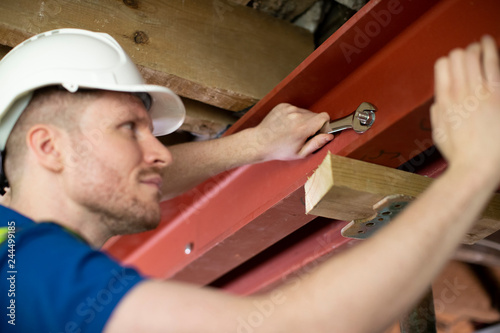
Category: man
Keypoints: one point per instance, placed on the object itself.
(113, 186)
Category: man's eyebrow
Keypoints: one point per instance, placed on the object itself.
(140, 119)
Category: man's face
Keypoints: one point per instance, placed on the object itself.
(115, 164)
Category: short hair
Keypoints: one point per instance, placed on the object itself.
(49, 105)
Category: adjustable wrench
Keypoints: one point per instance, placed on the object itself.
(360, 120)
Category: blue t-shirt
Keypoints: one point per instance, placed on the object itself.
(51, 281)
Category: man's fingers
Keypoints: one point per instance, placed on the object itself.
(326, 127)
(315, 143)
(322, 119)
(442, 80)
(491, 63)
(473, 66)
(459, 77)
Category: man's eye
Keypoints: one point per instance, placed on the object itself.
(130, 126)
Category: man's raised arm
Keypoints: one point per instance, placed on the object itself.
(367, 288)
(282, 135)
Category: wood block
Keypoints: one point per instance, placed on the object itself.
(216, 52)
(347, 189)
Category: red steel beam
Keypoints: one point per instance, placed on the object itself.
(298, 254)
(290, 259)
(384, 55)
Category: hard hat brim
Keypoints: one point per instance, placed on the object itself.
(167, 110)
(75, 59)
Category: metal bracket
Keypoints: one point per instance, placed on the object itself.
(422, 318)
(385, 210)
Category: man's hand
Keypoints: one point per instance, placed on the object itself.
(466, 114)
(284, 133)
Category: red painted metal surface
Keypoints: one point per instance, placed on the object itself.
(295, 256)
(290, 259)
(383, 55)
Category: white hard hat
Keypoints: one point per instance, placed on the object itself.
(74, 59)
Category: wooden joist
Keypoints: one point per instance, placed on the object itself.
(347, 189)
(216, 52)
(206, 121)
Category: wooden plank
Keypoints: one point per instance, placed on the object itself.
(346, 189)
(206, 121)
(216, 52)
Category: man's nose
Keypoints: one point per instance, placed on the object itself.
(155, 153)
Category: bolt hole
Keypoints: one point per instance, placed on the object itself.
(370, 224)
(189, 248)
(386, 213)
(361, 232)
(381, 219)
(397, 206)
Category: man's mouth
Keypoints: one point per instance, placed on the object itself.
(153, 181)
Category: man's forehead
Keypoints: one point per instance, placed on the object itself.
(118, 106)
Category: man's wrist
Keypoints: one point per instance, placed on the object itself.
(477, 175)
(251, 146)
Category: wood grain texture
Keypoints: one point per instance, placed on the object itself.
(347, 189)
(206, 121)
(216, 52)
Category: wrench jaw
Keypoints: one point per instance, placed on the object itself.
(364, 117)
(363, 121)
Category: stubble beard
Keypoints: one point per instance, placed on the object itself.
(116, 207)
(127, 217)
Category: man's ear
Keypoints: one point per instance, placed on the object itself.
(44, 144)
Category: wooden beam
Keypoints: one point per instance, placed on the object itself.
(346, 189)
(206, 121)
(216, 52)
